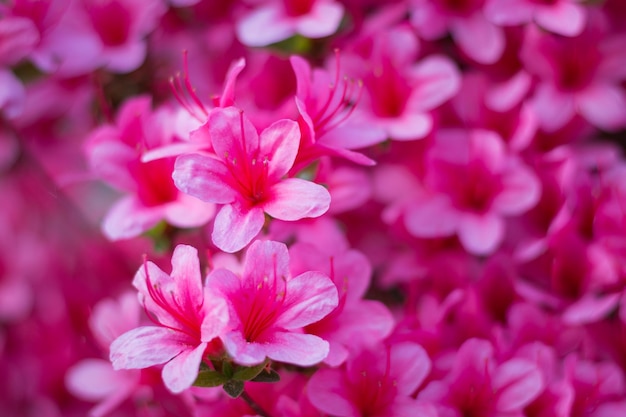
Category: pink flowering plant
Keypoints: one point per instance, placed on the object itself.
(318, 208)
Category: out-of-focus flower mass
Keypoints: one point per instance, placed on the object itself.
(287, 208)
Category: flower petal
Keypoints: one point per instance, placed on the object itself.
(280, 142)
(146, 346)
(309, 297)
(481, 235)
(296, 348)
(234, 229)
(203, 177)
(181, 372)
(295, 199)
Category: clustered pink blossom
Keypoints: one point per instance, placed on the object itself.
(313, 208)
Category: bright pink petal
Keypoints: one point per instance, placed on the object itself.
(108, 157)
(323, 20)
(480, 39)
(409, 366)
(507, 94)
(521, 190)
(481, 234)
(129, 218)
(147, 346)
(328, 391)
(242, 351)
(228, 92)
(590, 309)
(432, 217)
(429, 22)
(187, 277)
(264, 26)
(509, 12)
(112, 318)
(357, 330)
(409, 126)
(263, 259)
(553, 108)
(436, 79)
(517, 382)
(309, 297)
(12, 94)
(216, 316)
(203, 177)
(563, 17)
(604, 106)
(234, 229)
(188, 211)
(295, 199)
(229, 141)
(181, 372)
(302, 70)
(95, 379)
(354, 134)
(280, 141)
(125, 58)
(296, 348)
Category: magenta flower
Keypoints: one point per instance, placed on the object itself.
(346, 328)
(478, 385)
(115, 154)
(471, 184)
(376, 383)
(186, 321)
(268, 308)
(275, 20)
(245, 175)
(578, 75)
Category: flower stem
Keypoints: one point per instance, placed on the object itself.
(256, 407)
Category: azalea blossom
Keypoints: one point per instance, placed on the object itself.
(245, 175)
(186, 320)
(268, 308)
(375, 383)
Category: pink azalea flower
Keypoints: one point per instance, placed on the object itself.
(479, 385)
(186, 321)
(94, 379)
(325, 105)
(564, 17)
(578, 75)
(98, 33)
(115, 152)
(472, 183)
(275, 20)
(268, 308)
(346, 328)
(398, 93)
(473, 33)
(376, 383)
(245, 175)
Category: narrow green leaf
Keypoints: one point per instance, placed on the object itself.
(233, 388)
(210, 378)
(246, 373)
(267, 376)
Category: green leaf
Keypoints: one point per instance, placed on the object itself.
(246, 373)
(233, 388)
(210, 378)
(267, 376)
(227, 369)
